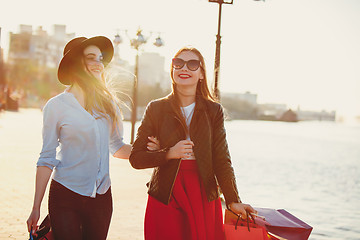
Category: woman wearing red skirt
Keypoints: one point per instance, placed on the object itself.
(194, 160)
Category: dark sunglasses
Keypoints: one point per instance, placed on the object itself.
(179, 63)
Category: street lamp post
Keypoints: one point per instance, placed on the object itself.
(217, 51)
(136, 43)
(117, 41)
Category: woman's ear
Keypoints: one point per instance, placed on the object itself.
(201, 76)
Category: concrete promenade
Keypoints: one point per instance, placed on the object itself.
(20, 144)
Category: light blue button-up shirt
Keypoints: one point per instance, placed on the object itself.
(76, 145)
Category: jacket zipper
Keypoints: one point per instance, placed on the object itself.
(177, 170)
(172, 186)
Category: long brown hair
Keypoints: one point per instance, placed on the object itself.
(202, 89)
(98, 98)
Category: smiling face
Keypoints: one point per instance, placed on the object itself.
(93, 61)
(183, 77)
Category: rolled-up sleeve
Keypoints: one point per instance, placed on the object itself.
(50, 134)
(116, 138)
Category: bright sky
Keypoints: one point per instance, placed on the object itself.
(299, 52)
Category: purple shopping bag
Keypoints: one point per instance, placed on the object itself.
(284, 224)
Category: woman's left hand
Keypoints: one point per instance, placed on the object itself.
(241, 209)
(153, 144)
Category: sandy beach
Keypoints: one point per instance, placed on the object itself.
(20, 143)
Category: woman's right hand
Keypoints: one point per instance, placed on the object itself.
(33, 220)
(153, 144)
(183, 149)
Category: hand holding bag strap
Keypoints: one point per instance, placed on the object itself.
(44, 230)
(30, 235)
(248, 216)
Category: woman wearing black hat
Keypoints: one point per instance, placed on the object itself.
(84, 123)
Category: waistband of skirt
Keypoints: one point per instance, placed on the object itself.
(188, 165)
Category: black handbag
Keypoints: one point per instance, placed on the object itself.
(44, 231)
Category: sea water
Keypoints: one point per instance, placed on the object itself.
(311, 169)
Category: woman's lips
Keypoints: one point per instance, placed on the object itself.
(95, 70)
(184, 76)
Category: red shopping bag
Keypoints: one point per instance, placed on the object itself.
(236, 228)
(283, 224)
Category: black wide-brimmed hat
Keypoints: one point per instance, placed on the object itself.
(75, 48)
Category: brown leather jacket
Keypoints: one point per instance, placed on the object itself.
(210, 148)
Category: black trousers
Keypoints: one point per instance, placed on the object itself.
(75, 217)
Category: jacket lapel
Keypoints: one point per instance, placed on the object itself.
(168, 123)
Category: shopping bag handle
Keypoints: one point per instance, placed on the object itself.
(31, 236)
(248, 216)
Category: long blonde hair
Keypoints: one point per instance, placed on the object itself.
(98, 98)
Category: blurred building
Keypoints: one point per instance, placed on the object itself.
(280, 111)
(271, 111)
(304, 115)
(38, 45)
(239, 105)
(247, 97)
(289, 116)
(151, 70)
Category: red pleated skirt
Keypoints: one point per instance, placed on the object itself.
(189, 215)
